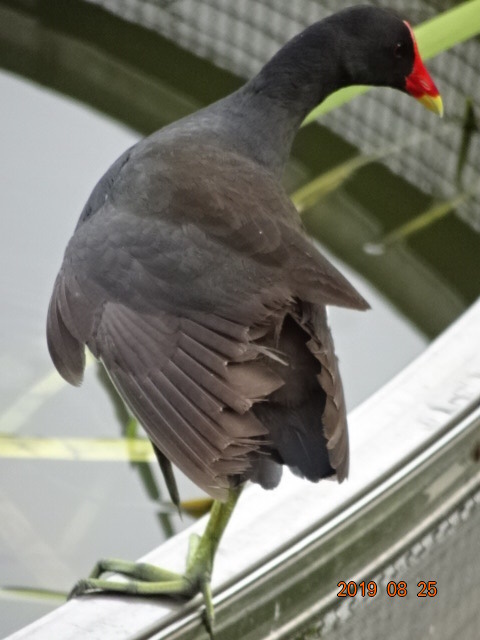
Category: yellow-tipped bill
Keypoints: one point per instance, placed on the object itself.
(432, 103)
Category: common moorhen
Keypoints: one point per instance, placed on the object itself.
(189, 276)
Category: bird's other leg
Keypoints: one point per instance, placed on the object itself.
(149, 580)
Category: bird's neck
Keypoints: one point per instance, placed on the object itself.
(305, 70)
(268, 111)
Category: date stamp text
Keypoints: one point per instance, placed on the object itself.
(424, 589)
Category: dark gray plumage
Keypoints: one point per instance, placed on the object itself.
(190, 278)
(206, 306)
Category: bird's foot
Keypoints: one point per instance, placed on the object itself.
(148, 580)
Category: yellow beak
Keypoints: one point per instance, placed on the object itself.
(432, 103)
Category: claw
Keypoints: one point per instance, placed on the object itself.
(209, 611)
(79, 589)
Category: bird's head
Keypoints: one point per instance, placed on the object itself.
(381, 50)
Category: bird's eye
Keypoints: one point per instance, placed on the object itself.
(399, 50)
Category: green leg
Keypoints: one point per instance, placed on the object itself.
(148, 580)
(202, 551)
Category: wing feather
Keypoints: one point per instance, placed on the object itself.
(191, 398)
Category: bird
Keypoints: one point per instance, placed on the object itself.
(190, 278)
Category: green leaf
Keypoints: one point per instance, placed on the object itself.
(84, 449)
(41, 595)
(21, 410)
(436, 212)
(308, 195)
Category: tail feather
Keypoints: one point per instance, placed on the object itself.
(294, 414)
(297, 435)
